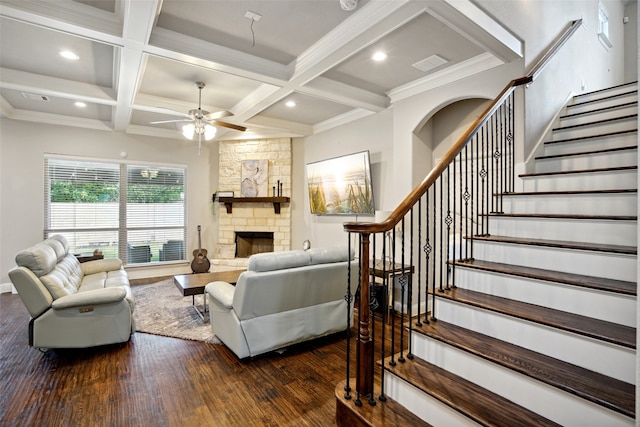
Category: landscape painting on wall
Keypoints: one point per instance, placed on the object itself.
(341, 186)
(255, 178)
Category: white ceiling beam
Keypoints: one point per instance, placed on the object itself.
(139, 18)
(473, 23)
(372, 22)
(68, 17)
(36, 83)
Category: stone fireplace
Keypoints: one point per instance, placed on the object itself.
(248, 218)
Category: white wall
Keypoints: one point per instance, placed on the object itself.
(584, 64)
(372, 133)
(23, 146)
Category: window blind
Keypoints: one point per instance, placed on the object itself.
(135, 212)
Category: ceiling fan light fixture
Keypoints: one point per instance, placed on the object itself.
(189, 130)
(209, 132)
(348, 5)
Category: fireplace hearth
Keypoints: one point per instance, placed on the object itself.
(253, 242)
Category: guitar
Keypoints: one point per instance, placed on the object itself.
(200, 263)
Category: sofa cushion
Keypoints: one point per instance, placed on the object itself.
(40, 259)
(64, 279)
(63, 240)
(57, 247)
(269, 261)
(330, 254)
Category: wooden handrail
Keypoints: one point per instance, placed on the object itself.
(403, 208)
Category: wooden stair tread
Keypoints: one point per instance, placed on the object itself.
(388, 413)
(601, 135)
(604, 98)
(599, 110)
(564, 216)
(568, 192)
(599, 283)
(564, 244)
(582, 325)
(475, 402)
(580, 171)
(596, 122)
(589, 153)
(609, 392)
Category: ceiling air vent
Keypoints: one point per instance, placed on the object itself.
(430, 63)
(35, 96)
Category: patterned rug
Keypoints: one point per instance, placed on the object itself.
(162, 310)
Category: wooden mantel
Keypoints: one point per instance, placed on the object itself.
(229, 201)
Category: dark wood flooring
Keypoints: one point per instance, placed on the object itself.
(159, 381)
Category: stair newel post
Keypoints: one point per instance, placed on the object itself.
(364, 379)
(349, 298)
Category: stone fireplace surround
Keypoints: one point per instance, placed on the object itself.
(253, 217)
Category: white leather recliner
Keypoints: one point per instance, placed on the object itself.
(72, 305)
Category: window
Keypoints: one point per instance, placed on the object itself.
(135, 212)
(603, 26)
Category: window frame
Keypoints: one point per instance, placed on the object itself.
(123, 230)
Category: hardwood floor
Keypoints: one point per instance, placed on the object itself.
(159, 381)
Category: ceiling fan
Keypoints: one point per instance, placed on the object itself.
(201, 122)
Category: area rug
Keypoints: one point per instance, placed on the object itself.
(162, 310)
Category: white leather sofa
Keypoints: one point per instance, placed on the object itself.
(72, 305)
(283, 298)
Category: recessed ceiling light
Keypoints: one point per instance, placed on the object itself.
(290, 104)
(80, 104)
(67, 54)
(379, 56)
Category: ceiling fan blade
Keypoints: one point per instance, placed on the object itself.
(175, 112)
(171, 121)
(227, 125)
(218, 115)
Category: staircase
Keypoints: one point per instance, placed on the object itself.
(540, 328)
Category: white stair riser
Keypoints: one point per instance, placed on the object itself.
(603, 100)
(616, 308)
(606, 180)
(428, 408)
(610, 159)
(584, 204)
(611, 232)
(589, 263)
(552, 403)
(608, 359)
(591, 144)
(584, 131)
(610, 113)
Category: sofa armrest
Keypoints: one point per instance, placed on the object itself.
(222, 292)
(101, 265)
(95, 297)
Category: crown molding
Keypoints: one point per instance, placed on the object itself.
(342, 119)
(445, 76)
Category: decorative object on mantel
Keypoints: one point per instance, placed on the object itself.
(306, 245)
(255, 178)
(229, 201)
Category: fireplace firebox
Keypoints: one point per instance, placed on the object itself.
(253, 242)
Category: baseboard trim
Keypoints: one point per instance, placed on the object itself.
(5, 287)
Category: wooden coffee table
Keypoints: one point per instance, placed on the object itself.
(194, 284)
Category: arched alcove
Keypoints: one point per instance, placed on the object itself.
(440, 130)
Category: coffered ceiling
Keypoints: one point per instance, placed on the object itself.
(139, 60)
